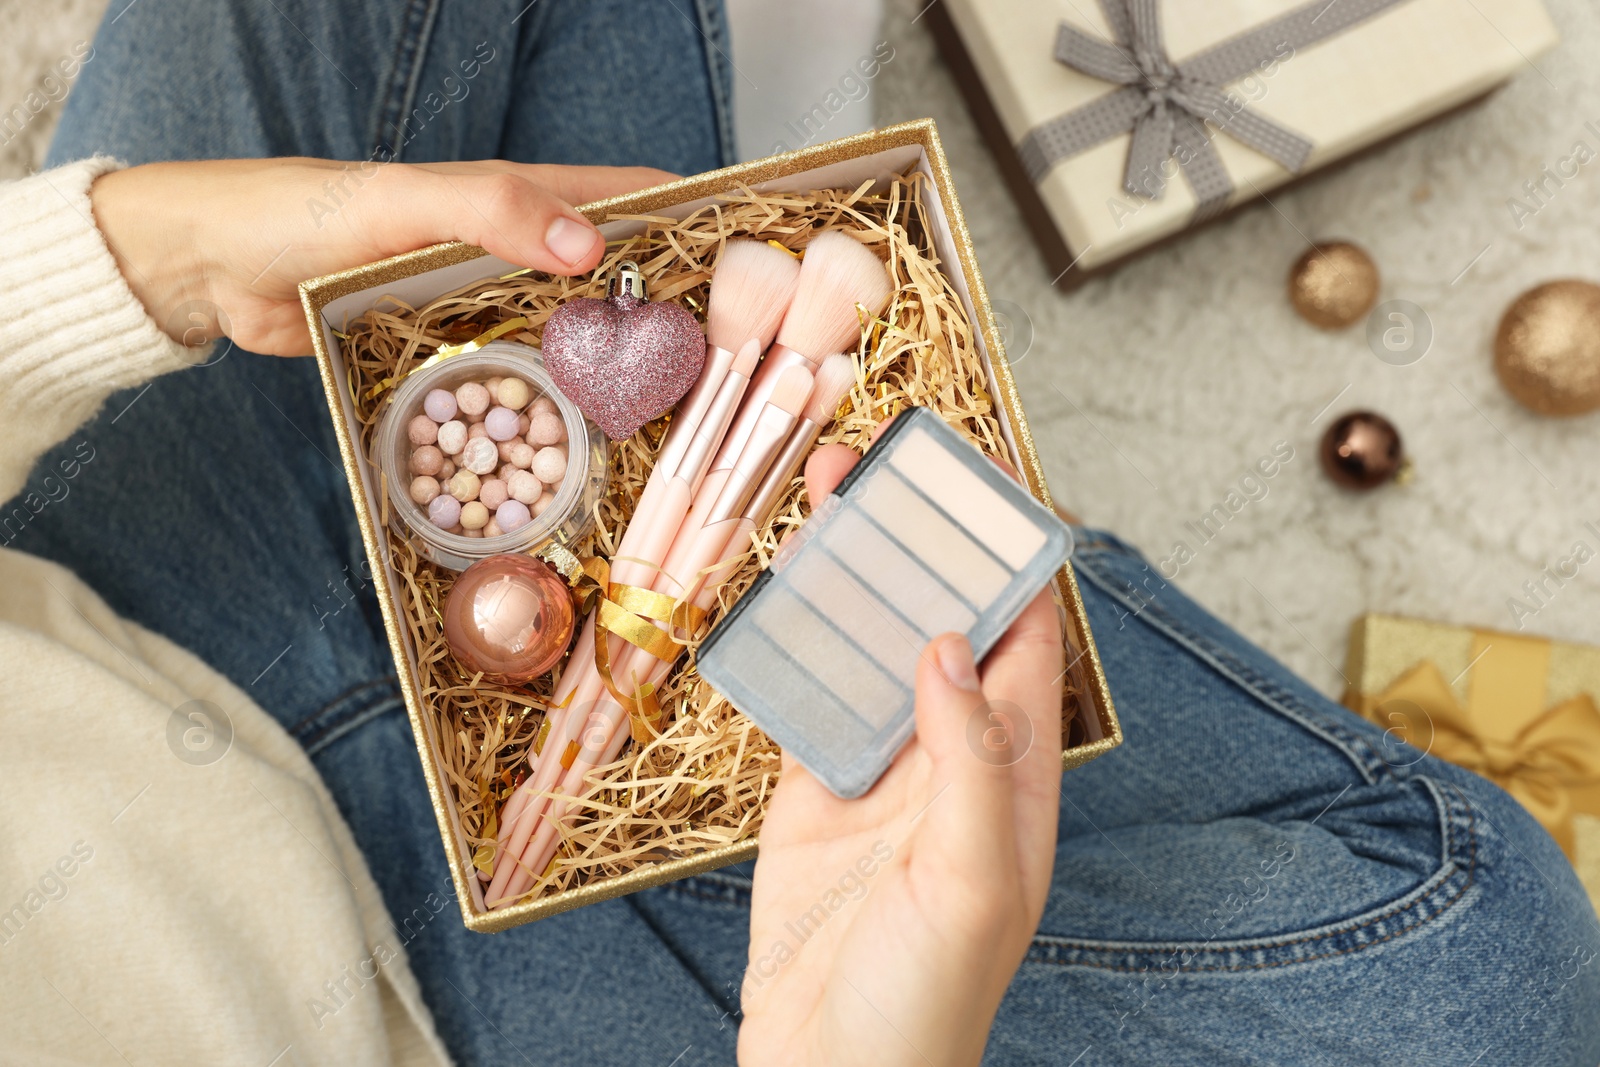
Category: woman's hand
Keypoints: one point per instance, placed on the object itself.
(226, 243)
(885, 930)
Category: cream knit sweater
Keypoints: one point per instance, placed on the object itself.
(153, 910)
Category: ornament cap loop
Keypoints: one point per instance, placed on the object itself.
(627, 281)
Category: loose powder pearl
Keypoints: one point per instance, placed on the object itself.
(545, 405)
(513, 515)
(514, 393)
(492, 528)
(506, 471)
(524, 487)
(471, 533)
(505, 450)
(474, 516)
(493, 385)
(522, 455)
(481, 456)
(444, 511)
(464, 486)
(440, 404)
(426, 459)
(546, 429)
(477, 430)
(501, 423)
(549, 465)
(493, 493)
(523, 422)
(452, 437)
(544, 502)
(422, 430)
(472, 398)
(424, 489)
(446, 472)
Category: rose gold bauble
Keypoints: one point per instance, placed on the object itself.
(1547, 350)
(509, 616)
(1333, 285)
(1362, 450)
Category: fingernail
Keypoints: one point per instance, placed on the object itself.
(570, 241)
(955, 663)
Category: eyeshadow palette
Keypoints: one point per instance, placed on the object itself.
(925, 536)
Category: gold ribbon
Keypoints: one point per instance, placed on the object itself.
(1555, 754)
(631, 612)
(446, 351)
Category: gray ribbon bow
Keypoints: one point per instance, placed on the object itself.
(1167, 104)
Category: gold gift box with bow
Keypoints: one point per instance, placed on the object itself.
(1517, 709)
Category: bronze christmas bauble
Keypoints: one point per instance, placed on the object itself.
(1333, 285)
(1547, 350)
(1362, 450)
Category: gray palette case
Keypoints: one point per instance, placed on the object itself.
(925, 536)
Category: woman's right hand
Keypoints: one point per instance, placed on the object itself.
(231, 240)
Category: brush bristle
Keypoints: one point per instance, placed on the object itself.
(745, 360)
(838, 273)
(834, 379)
(791, 389)
(751, 288)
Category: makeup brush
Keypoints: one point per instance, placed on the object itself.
(837, 274)
(752, 286)
(668, 501)
(773, 425)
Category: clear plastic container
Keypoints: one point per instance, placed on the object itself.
(569, 516)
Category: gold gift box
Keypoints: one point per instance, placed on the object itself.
(419, 276)
(1519, 709)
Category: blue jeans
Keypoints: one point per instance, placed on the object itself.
(1255, 876)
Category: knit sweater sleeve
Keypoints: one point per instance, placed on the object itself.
(71, 331)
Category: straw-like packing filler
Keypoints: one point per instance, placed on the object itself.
(701, 781)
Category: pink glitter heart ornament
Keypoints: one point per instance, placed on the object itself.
(623, 360)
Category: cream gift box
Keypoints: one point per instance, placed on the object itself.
(1285, 87)
(415, 278)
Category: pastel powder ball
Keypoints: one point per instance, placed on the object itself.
(440, 404)
(546, 428)
(524, 487)
(501, 423)
(444, 511)
(514, 393)
(472, 398)
(522, 454)
(452, 435)
(474, 516)
(493, 493)
(424, 489)
(512, 515)
(550, 465)
(464, 486)
(426, 459)
(481, 456)
(422, 430)
(477, 430)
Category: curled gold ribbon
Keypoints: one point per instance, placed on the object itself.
(631, 612)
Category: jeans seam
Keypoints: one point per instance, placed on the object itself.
(1371, 767)
(410, 49)
(723, 894)
(314, 736)
(718, 75)
(1456, 868)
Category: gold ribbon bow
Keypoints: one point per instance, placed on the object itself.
(631, 612)
(1555, 753)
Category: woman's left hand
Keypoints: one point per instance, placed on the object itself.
(226, 243)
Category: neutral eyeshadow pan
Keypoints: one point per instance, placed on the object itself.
(926, 536)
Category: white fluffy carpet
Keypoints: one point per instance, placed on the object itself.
(1154, 390)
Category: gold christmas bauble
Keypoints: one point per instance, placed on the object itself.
(1547, 350)
(1333, 285)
